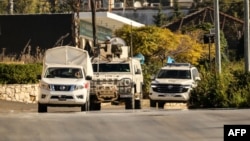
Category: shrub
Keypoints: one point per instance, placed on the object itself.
(19, 73)
(228, 89)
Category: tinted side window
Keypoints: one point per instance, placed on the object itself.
(111, 67)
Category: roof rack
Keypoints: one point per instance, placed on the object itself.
(178, 64)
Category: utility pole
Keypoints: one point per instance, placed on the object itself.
(217, 36)
(78, 24)
(246, 36)
(11, 6)
(93, 11)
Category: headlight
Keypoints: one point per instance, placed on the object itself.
(187, 86)
(46, 86)
(125, 90)
(125, 82)
(153, 85)
(78, 87)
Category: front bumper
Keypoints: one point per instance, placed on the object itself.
(178, 97)
(72, 98)
(170, 92)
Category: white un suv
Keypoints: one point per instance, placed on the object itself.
(173, 83)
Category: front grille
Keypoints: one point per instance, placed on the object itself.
(109, 85)
(104, 81)
(62, 87)
(169, 88)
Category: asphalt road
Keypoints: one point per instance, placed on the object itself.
(120, 125)
(20, 107)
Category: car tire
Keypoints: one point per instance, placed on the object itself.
(128, 103)
(83, 108)
(152, 103)
(161, 105)
(138, 104)
(42, 108)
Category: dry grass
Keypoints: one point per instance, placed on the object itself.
(23, 60)
(24, 57)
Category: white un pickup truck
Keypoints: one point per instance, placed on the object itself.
(65, 79)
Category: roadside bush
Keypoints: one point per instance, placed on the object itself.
(149, 69)
(228, 89)
(19, 73)
(238, 91)
(210, 91)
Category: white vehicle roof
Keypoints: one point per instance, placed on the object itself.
(177, 66)
(68, 55)
(64, 66)
(115, 60)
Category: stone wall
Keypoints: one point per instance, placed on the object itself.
(19, 92)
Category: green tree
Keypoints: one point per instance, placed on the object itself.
(160, 18)
(62, 6)
(155, 42)
(176, 13)
(234, 8)
(25, 6)
(188, 49)
(37, 6)
(4, 6)
(19, 6)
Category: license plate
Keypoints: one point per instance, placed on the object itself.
(168, 95)
(62, 99)
(165, 95)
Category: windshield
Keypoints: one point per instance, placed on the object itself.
(176, 74)
(63, 73)
(112, 68)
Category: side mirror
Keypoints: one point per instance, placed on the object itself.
(152, 77)
(138, 71)
(197, 78)
(38, 76)
(88, 77)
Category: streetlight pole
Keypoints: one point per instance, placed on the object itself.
(217, 36)
(246, 36)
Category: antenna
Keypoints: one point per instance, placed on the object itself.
(131, 43)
